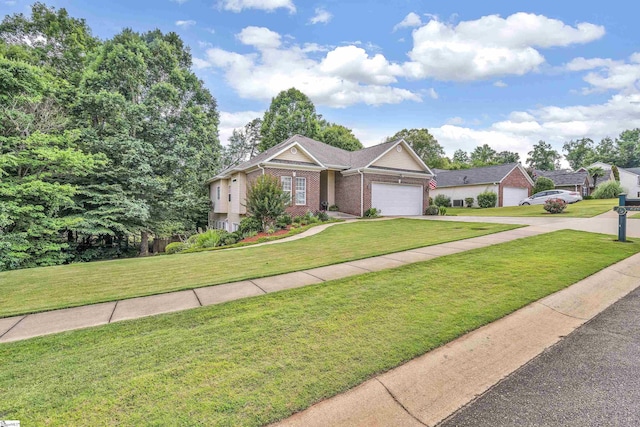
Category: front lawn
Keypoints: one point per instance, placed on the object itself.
(583, 209)
(258, 360)
(47, 288)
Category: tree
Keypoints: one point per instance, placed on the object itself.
(595, 172)
(266, 201)
(339, 136)
(628, 144)
(578, 152)
(543, 157)
(424, 144)
(243, 144)
(460, 156)
(483, 155)
(606, 151)
(291, 112)
(505, 157)
(543, 184)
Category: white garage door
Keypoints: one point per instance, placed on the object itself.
(397, 199)
(511, 196)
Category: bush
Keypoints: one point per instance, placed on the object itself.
(266, 201)
(468, 201)
(607, 190)
(175, 247)
(555, 206)
(488, 199)
(442, 200)
(442, 210)
(432, 210)
(334, 208)
(587, 197)
(284, 220)
(322, 216)
(249, 224)
(543, 184)
(209, 239)
(372, 213)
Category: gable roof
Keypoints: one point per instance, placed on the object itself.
(632, 170)
(565, 177)
(475, 176)
(326, 156)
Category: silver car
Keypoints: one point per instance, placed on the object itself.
(543, 196)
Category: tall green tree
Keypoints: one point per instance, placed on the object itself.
(578, 152)
(243, 144)
(424, 144)
(543, 157)
(461, 156)
(339, 136)
(291, 112)
(504, 157)
(606, 151)
(628, 144)
(483, 155)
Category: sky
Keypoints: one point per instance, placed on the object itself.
(507, 74)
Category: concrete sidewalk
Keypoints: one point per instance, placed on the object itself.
(428, 389)
(22, 327)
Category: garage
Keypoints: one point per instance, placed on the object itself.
(397, 199)
(511, 196)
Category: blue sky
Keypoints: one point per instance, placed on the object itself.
(503, 73)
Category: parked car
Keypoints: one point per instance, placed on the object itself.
(543, 196)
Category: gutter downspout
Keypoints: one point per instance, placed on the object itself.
(361, 192)
(261, 168)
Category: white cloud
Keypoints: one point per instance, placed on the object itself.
(259, 37)
(455, 121)
(267, 5)
(552, 124)
(230, 121)
(432, 93)
(500, 83)
(186, 24)
(607, 74)
(490, 46)
(346, 75)
(200, 64)
(321, 17)
(179, 1)
(411, 20)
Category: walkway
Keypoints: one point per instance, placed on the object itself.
(22, 327)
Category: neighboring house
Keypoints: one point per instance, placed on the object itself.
(389, 176)
(565, 179)
(629, 178)
(510, 182)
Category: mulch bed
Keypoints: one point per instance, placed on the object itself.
(263, 234)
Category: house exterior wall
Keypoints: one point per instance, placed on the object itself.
(463, 191)
(348, 193)
(517, 179)
(331, 187)
(629, 182)
(313, 189)
(398, 160)
(220, 205)
(370, 178)
(238, 193)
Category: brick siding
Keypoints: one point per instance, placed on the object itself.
(348, 193)
(313, 189)
(515, 179)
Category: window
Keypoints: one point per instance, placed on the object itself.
(229, 193)
(235, 226)
(286, 186)
(301, 191)
(218, 192)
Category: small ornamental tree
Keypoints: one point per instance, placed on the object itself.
(266, 201)
(442, 200)
(543, 184)
(555, 206)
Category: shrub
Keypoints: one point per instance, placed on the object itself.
(488, 199)
(334, 208)
(442, 210)
(249, 224)
(607, 190)
(209, 239)
(284, 220)
(372, 213)
(322, 216)
(555, 206)
(442, 200)
(542, 184)
(432, 210)
(587, 197)
(175, 247)
(468, 201)
(266, 201)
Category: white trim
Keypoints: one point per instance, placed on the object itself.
(290, 191)
(277, 165)
(409, 150)
(293, 143)
(301, 179)
(406, 174)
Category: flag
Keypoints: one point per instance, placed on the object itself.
(433, 184)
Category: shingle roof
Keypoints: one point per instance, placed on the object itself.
(473, 176)
(632, 170)
(324, 153)
(564, 177)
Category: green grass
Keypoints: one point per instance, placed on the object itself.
(39, 289)
(254, 361)
(583, 209)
